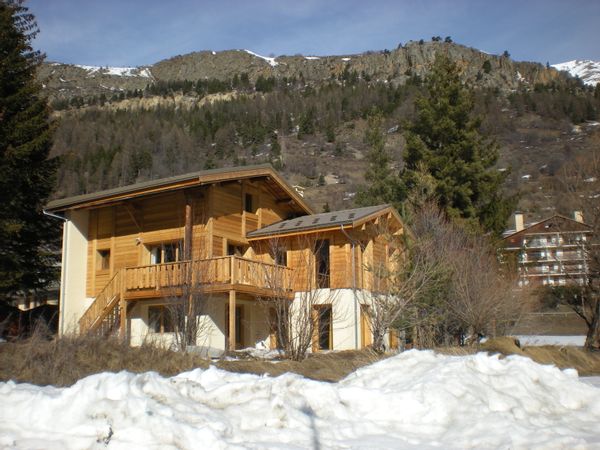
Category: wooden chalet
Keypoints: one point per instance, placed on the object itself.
(240, 235)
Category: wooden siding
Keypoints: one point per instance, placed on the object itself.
(129, 228)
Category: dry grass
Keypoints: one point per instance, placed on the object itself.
(61, 362)
(586, 363)
(319, 366)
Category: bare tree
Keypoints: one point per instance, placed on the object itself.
(445, 285)
(483, 299)
(399, 281)
(296, 304)
(187, 303)
(581, 182)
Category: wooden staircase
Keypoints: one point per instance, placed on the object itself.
(103, 316)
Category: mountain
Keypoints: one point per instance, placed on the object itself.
(588, 71)
(64, 81)
(306, 115)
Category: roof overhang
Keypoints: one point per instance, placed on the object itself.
(202, 178)
(347, 225)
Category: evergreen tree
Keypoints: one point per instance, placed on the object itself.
(444, 141)
(27, 176)
(383, 186)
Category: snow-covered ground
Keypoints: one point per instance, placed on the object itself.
(537, 340)
(416, 400)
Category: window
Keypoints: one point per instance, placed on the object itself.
(280, 256)
(103, 260)
(322, 263)
(162, 319)
(167, 252)
(323, 333)
(249, 203)
(235, 250)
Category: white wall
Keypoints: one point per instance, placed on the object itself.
(73, 301)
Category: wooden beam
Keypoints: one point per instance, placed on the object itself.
(187, 235)
(232, 331)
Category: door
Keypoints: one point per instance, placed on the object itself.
(322, 328)
(239, 321)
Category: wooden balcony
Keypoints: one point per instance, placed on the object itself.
(214, 275)
(220, 274)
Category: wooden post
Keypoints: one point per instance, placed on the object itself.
(122, 306)
(233, 275)
(232, 330)
(187, 235)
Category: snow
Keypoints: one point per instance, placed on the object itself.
(416, 400)
(537, 340)
(593, 381)
(311, 58)
(346, 59)
(588, 71)
(118, 71)
(271, 61)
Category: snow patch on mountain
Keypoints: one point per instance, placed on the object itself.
(271, 61)
(143, 72)
(587, 70)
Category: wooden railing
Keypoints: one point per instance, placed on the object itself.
(103, 303)
(214, 271)
(225, 270)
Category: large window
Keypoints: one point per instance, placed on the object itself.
(322, 263)
(166, 252)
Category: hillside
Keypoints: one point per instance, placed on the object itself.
(396, 66)
(304, 114)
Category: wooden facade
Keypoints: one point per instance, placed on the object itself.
(147, 244)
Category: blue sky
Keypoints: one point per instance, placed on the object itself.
(138, 32)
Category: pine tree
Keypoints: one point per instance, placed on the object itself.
(383, 186)
(444, 141)
(27, 176)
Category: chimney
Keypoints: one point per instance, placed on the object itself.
(578, 216)
(518, 221)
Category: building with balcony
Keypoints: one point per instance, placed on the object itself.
(237, 237)
(552, 252)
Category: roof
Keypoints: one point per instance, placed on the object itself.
(551, 224)
(180, 182)
(350, 217)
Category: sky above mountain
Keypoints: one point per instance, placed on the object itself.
(138, 32)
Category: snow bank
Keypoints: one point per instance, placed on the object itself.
(414, 400)
(537, 340)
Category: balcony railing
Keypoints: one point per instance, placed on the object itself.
(225, 270)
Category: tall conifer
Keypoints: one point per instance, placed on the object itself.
(382, 181)
(444, 141)
(26, 173)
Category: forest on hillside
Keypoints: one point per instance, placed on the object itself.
(313, 132)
